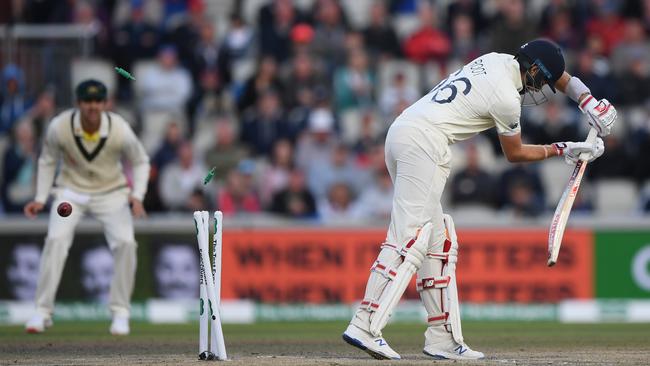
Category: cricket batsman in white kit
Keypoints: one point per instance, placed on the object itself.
(88, 144)
(485, 93)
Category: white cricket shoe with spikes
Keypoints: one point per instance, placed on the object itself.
(37, 323)
(450, 350)
(377, 347)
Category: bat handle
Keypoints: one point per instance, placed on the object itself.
(591, 138)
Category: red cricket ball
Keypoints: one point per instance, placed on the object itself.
(64, 209)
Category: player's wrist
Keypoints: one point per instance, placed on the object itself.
(559, 147)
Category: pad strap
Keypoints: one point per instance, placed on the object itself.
(433, 282)
(438, 319)
(384, 270)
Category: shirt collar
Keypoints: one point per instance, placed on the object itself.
(103, 125)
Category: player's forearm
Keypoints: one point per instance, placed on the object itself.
(44, 179)
(529, 153)
(573, 87)
(140, 180)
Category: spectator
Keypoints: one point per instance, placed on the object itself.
(395, 96)
(520, 189)
(209, 55)
(135, 40)
(464, 46)
(304, 76)
(511, 28)
(634, 46)
(275, 22)
(179, 179)
(19, 168)
(472, 185)
(166, 86)
(226, 152)
(316, 146)
(380, 37)
(275, 176)
(42, 112)
(595, 72)
(368, 141)
(556, 122)
(209, 99)
(376, 201)
(265, 125)
(295, 201)
(617, 163)
(340, 168)
(330, 27)
(354, 84)
(238, 195)
(168, 150)
(183, 26)
(338, 205)
(561, 29)
(466, 8)
(607, 27)
(13, 100)
(266, 79)
(428, 42)
(634, 83)
(239, 40)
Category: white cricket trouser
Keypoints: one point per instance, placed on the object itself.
(418, 160)
(112, 210)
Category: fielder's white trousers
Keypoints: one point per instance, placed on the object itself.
(112, 210)
(418, 160)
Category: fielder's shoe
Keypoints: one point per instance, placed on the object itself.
(38, 323)
(451, 350)
(120, 325)
(376, 347)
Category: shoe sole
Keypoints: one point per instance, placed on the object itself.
(441, 357)
(356, 343)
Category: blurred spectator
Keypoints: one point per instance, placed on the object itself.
(239, 40)
(633, 47)
(168, 150)
(511, 28)
(265, 79)
(555, 122)
(339, 168)
(376, 200)
(93, 16)
(428, 42)
(134, 40)
(369, 140)
(379, 36)
(316, 146)
(617, 163)
(466, 8)
(561, 30)
(226, 152)
(238, 195)
(338, 205)
(166, 86)
(634, 83)
(472, 185)
(275, 21)
(520, 189)
(207, 54)
(303, 77)
(13, 99)
(275, 176)
(209, 99)
(19, 169)
(354, 83)
(179, 179)
(330, 28)
(183, 27)
(42, 112)
(606, 26)
(295, 201)
(396, 95)
(595, 72)
(264, 125)
(464, 46)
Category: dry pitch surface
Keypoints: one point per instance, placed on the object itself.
(320, 344)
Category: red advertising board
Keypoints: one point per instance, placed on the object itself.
(332, 265)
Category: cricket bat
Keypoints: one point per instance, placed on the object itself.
(563, 209)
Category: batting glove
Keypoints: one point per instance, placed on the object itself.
(601, 114)
(572, 150)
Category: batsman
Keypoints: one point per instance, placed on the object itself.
(487, 92)
(87, 145)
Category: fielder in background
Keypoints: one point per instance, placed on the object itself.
(89, 143)
(487, 92)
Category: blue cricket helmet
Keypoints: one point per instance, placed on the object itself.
(548, 58)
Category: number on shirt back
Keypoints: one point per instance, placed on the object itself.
(451, 84)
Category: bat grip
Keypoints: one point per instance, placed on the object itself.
(591, 138)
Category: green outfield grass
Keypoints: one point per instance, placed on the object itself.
(320, 343)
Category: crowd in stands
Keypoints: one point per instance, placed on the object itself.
(290, 100)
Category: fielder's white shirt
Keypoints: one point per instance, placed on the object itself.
(481, 95)
(90, 166)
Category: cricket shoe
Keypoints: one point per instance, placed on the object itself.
(38, 323)
(377, 347)
(450, 350)
(120, 325)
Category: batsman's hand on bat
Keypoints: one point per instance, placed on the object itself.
(572, 150)
(601, 114)
(137, 208)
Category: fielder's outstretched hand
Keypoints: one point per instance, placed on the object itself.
(572, 150)
(601, 114)
(137, 208)
(32, 209)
